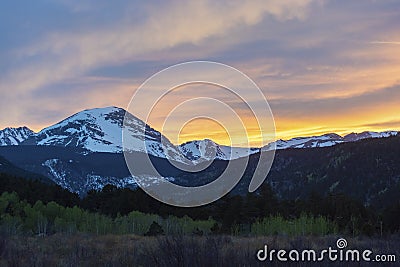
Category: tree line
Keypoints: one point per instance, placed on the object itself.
(36, 208)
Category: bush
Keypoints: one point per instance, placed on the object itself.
(154, 230)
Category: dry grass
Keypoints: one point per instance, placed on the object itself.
(130, 250)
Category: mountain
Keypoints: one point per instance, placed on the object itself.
(364, 135)
(325, 140)
(14, 136)
(80, 172)
(84, 152)
(69, 167)
(306, 142)
(209, 150)
(100, 130)
(367, 170)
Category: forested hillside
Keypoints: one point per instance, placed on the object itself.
(37, 208)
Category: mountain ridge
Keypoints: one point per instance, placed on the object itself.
(100, 130)
(298, 166)
(14, 136)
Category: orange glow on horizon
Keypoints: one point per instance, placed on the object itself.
(285, 128)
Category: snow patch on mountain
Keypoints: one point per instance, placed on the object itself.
(57, 173)
(65, 175)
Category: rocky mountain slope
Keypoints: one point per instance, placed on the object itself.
(14, 136)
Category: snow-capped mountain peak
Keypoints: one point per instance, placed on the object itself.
(368, 134)
(92, 129)
(207, 149)
(325, 140)
(329, 139)
(14, 136)
(100, 130)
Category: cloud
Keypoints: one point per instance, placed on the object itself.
(385, 124)
(51, 104)
(59, 57)
(63, 55)
(336, 106)
(385, 42)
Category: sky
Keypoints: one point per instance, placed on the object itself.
(323, 66)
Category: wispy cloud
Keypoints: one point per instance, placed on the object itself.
(385, 42)
(395, 124)
(63, 55)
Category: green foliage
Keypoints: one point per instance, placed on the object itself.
(34, 190)
(304, 225)
(18, 217)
